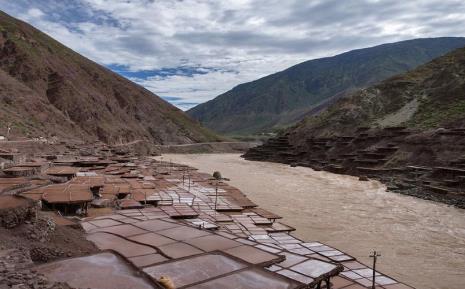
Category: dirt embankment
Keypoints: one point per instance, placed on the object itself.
(31, 237)
(211, 147)
(46, 241)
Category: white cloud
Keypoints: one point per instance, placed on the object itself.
(35, 13)
(242, 39)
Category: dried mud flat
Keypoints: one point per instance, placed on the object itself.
(422, 243)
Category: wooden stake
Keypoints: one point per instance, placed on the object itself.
(375, 256)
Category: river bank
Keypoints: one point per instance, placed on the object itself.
(422, 243)
(210, 147)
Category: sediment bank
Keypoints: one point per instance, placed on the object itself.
(211, 147)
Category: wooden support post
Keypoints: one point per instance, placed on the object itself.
(375, 256)
(216, 195)
(328, 283)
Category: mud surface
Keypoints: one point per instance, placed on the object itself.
(422, 243)
(45, 241)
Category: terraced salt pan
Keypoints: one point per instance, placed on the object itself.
(100, 271)
(419, 240)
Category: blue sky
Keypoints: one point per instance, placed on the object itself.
(189, 51)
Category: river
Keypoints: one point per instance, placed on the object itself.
(422, 243)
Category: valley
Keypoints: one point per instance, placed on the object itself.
(216, 144)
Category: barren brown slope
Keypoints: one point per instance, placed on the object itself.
(47, 89)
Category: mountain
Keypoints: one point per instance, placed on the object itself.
(407, 132)
(46, 89)
(286, 97)
(431, 96)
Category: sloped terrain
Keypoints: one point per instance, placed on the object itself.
(431, 96)
(286, 97)
(46, 89)
(407, 131)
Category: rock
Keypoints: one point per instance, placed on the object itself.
(15, 273)
(19, 212)
(363, 178)
(41, 229)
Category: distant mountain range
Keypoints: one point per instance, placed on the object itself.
(46, 89)
(286, 97)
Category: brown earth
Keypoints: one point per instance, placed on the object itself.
(46, 89)
(46, 241)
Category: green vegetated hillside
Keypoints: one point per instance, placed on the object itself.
(47, 89)
(431, 96)
(286, 97)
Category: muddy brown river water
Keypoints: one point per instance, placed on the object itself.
(422, 243)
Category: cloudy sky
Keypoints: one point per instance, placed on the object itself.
(189, 51)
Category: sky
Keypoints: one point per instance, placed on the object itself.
(190, 51)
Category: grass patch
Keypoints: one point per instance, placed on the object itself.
(432, 114)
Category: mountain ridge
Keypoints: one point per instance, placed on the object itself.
(407, 132)
(49, 90)
(431, 96)
(285, 97)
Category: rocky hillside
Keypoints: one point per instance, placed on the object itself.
(46, 89)
(286, 97)
(407, 131)
(431, 96)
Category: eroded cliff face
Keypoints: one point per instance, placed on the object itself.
(48, 89)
